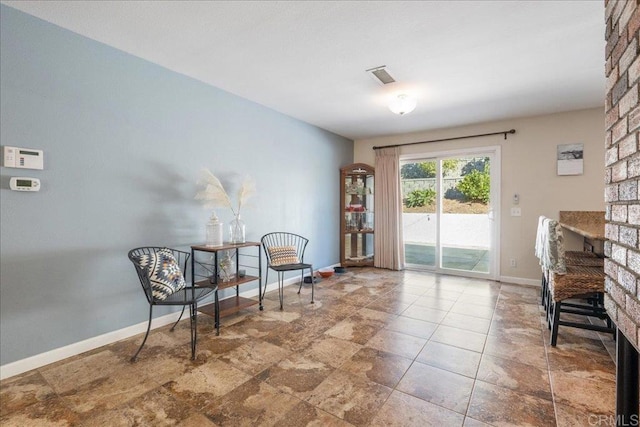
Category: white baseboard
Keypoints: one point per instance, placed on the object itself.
(42, 359)
(33, 362)
(520, 281)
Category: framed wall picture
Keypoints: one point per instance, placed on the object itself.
(570, 159)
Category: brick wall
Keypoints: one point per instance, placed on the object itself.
(622, 161)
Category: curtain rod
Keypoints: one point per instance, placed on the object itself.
(504, 132)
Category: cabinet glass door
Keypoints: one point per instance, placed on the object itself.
(358, 217)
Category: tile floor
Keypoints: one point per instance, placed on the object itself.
(378, 348)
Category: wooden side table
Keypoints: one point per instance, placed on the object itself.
(205, 272)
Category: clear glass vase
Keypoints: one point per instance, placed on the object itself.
(227, 268)
(214, 232)
(237, 230)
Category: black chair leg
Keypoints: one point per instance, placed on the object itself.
(266, 280)
(312, 283)
(193, 311)
(175, 324)
(547, 294)
(302, 280)
(217, 318)
(548, 309)
(133, 359)
(281, 288)
(555, 309)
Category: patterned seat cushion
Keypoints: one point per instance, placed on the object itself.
(164, 273)
(281, 255)
(556, 248)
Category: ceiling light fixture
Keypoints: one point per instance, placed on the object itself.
(403, 104)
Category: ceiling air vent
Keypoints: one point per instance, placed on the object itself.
(381, 75)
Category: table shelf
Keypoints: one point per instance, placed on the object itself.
(205, 274)
(228, 306)
(225, 285)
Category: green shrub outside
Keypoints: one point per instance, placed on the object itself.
(419, 198)
(475, 186)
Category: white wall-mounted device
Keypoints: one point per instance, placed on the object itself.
(25, 158)
(21, 183)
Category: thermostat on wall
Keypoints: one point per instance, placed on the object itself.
(24, 158)
(24, 184)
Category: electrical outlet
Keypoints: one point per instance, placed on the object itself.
(516, 211)
(513, 263)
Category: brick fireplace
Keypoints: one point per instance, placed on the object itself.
(622, 195)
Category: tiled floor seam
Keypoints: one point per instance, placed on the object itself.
(551, 383)
(429, 340)
(416, 361)
(475, 379)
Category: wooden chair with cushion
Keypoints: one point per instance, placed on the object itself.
(567, 283)
(572, 258)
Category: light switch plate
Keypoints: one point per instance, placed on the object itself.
(516, 211)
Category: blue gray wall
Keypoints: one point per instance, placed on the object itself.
(124, 140)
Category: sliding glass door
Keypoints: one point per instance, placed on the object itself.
(419, 213)
(448, 217)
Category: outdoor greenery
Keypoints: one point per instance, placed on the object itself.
(479, 165)
(413, 171)
(475, 186)
(419, 198)
(426, 169)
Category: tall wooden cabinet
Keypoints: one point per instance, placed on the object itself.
(356, 221)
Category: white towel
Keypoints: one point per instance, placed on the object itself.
(546, 256)
(540, 237)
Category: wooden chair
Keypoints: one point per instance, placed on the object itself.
(572, 258)
(567, 283)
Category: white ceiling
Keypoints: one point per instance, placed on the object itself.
(466, 61)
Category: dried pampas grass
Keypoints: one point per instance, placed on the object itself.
(247, 189)
(213, 195)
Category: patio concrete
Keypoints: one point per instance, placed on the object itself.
(465, 240)
(454, 258)
(458, 230)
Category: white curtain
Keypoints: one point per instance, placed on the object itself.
(389, 248)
